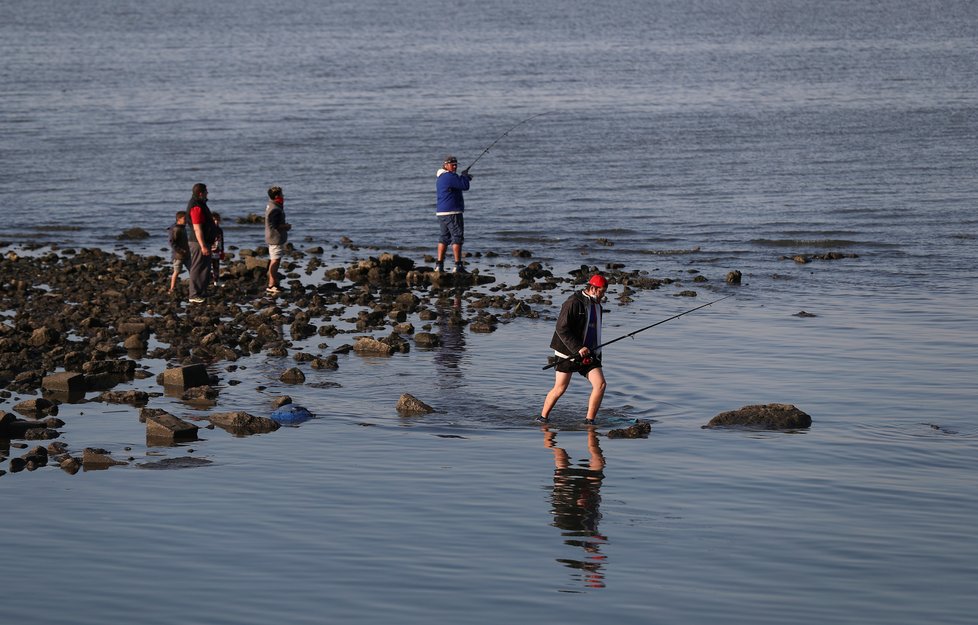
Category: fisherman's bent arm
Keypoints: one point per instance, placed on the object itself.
(461, 182)
(568, 334)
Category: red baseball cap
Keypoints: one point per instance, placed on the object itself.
(599, 281)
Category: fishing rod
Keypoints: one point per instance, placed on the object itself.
(484, 152)
(631, 334)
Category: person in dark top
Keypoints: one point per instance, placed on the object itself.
(575, 343)
(276, 235)
(200, 242)
(179, 249)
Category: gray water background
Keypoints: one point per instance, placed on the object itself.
(698, 136)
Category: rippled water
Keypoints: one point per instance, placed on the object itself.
(676, 137)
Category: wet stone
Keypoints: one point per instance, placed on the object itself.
(162, 427)
(639, 429)
(134, 398)
(369, 346)
(764, 417)
(427, 339)
(186, 377)
(36, 407)
(242, 423)
(65, 382)
(293, 375)
(408, 405)
(97, 458)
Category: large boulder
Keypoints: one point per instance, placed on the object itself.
(763, 417)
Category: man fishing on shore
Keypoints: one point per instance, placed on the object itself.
(450, 209)
(575, 343)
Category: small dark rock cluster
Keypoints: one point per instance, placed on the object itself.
(639, 429)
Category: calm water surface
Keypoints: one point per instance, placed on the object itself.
(678, 137)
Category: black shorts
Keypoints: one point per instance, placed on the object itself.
(565, 365)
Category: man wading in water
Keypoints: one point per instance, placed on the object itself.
(574, 342)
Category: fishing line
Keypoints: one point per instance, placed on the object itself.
(486, 151)
(558, 360)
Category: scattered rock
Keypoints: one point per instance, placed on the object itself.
(764, 417)
(205, 395)
(283, 400)
(186, 377)
(293, 376)
(409, 406)
(36, 407)
(369, 346)
(427, 339)
(242, 423)
(94, 458)
(640, 429)
(184, 462)
(65, 382)
(164, 428)
(134, 398)
(330, 362)
(70, 465)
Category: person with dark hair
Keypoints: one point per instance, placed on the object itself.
(179, 249)
(575, 343)
(276, 235)
(450, 209)
(200, 243)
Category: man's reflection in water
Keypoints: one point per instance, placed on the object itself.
(576, 498)
(450, 328)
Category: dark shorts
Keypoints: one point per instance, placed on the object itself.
(452, 229)
(570, 366)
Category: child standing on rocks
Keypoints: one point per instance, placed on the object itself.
(276, 235)
(179, 248)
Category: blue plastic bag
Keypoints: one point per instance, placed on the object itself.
(290, 414)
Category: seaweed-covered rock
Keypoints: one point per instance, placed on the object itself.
(764, 417)
(639, 429)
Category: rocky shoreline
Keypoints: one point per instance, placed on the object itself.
(80, 322)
